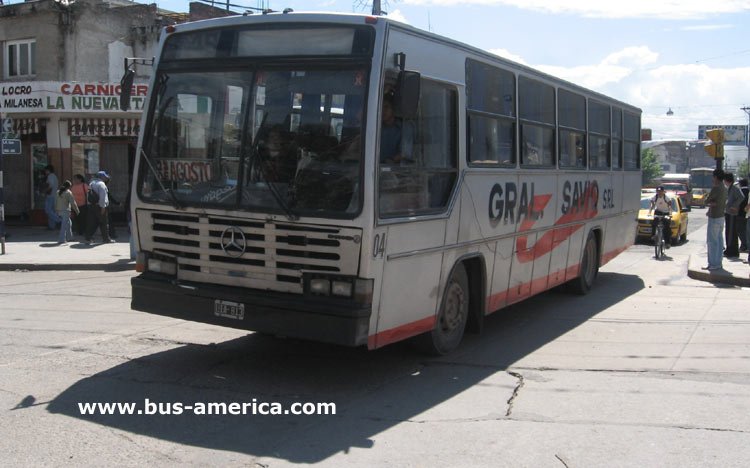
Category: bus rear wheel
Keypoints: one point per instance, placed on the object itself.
(589, 267)
(452, 317)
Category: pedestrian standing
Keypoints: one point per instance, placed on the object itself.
(51, 185)
(741, 221)
(65, 202)
(734, 198)
(716, 202)
(98, 209)
(80, 188)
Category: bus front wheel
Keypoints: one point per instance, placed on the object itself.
(451, 320)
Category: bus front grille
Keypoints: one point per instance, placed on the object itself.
(270, 255)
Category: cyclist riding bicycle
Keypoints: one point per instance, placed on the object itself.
(661, 205)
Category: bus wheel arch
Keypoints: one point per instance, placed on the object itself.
(589, 266)
(475, 269)
(452, 316)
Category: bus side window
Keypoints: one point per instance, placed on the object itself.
(423, 182)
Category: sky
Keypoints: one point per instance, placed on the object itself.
(690, 56)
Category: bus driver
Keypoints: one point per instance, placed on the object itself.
(396, 138)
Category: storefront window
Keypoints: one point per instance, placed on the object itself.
(85, 158)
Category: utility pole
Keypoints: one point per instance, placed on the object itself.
(747, 134)
(376, 10)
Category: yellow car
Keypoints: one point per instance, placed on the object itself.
(678, 222)
(698, 197)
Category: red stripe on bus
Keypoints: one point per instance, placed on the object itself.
(401, 333)
(493, 302)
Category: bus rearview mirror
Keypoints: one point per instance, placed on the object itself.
(407, 94)
(126, 83)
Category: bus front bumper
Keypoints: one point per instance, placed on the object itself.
(321, 319)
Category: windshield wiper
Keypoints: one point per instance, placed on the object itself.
(175, 202)
(256, 159)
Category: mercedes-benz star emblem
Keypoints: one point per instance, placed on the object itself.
(233, 242)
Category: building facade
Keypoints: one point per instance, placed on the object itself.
(60, 67)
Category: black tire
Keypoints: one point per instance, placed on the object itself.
(657, 245)
(450, 323)
(589, 267)
(662, 246)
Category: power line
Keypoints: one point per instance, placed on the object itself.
(732, 54)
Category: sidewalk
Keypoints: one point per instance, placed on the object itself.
(734, 271)
(36, 248)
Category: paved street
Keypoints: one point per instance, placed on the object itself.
(650, 369)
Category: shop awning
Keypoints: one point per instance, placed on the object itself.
(104, 127)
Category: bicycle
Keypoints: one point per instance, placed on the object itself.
(659, 242)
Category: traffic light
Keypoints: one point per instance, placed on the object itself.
(715, 146)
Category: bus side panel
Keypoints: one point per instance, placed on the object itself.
(618, 228)
(558, 262)
(540, 274)
(631, 194)
(498, 293)
(542, 197)
(409, 290)
(489, 206)
(521, 270)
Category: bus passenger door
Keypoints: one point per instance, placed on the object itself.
(410, 280)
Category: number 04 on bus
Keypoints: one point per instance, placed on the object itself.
(354, 180)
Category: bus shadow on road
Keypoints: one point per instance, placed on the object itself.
(373, 391)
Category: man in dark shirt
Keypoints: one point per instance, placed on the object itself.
(716, 202)
(734, 198)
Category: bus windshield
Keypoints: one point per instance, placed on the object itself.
(270, 140)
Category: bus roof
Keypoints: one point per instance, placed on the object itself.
(354, 18)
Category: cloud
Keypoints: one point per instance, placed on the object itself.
(697, 93)
(613, 69)
(397, 16)
(707, 27)
(509, 55)
(663, 9)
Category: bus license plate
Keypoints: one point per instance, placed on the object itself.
(228, 309)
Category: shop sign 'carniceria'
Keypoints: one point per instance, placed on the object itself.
(56, 96)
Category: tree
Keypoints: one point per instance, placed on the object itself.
(743, 170)
(650, 168)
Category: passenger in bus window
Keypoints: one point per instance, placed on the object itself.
(396, 138)
(531, 154)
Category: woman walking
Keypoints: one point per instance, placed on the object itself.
(80, 188)
(64, 204)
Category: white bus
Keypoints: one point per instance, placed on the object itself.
(269, 196)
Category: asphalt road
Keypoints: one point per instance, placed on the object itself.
(650, 369)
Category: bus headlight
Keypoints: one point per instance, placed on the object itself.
(320, 286)
(156, 262)
(341, 288)
(162, 266)
(358, 289)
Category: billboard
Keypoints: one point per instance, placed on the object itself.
(733, 134)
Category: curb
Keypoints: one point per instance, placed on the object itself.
(110, 267)
(718, 276)
(722, 277)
